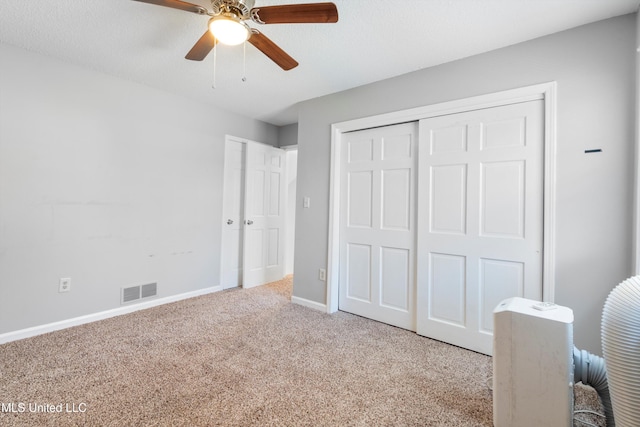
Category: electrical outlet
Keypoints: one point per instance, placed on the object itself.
(322, 274)
(64, 285)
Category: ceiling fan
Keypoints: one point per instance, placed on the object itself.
(227, 24)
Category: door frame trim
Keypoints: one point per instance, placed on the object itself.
(545, 91)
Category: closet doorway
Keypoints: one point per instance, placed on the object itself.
(483, 214)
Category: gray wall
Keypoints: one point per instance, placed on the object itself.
(290, 224)
(637, 192)
(595, 68)
(288, 135)
(105, 181)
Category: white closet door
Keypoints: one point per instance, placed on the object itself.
(264, 215)
(377, 224)
(480, 219)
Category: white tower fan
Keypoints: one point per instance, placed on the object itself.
(621, 349)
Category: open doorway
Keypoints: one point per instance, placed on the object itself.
(258, 213)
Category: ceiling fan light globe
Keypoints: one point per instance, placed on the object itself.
(229, 30)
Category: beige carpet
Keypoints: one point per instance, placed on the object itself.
(243, 358)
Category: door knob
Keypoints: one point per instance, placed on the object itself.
(249, 222)
(229, 221)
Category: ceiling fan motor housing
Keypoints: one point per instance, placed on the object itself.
(240, 8)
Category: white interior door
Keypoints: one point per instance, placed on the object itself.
(480, 221)
(232, 215)
(377, 224)
(264, 215)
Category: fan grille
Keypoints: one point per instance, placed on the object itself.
(240, 8)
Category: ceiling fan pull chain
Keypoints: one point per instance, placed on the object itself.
(244, 61)
(215, 60)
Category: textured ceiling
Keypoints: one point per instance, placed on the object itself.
(373, 40)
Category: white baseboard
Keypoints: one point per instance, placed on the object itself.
(76, 321)
(310, 304)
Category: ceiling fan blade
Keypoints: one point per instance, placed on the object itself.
(272, 50)
(203, 46)
(312, 13)
(177, 4)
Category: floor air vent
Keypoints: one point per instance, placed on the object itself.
(134, 293)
